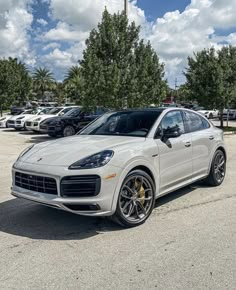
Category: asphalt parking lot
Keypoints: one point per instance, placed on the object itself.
(189, 242)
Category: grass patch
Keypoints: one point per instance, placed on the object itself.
(228, 129)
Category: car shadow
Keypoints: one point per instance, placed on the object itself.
(27, 219)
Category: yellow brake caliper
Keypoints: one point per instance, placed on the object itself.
(141, 193)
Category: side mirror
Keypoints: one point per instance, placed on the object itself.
(167, 134)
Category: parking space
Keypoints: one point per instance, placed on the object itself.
(188, 243)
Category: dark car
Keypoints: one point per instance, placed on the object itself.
(72, 122)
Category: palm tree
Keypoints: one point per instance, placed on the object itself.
(43, 81)
(73, 72)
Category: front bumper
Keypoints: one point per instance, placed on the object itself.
(56, 130)
(16, 125)
(99, 205)
(32, 126)
(2, 124)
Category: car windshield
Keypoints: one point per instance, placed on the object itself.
(54, 111)
(73, 113)
(129, 123)
(31, 112)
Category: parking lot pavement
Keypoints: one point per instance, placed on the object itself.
(189, 242)
(231, 123)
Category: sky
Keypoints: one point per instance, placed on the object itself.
(52, 33)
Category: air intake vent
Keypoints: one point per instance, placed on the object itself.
(80, 186)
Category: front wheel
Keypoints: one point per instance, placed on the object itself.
(136, 199)
(218, 169)
(68, 131)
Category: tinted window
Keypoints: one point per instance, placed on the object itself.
(73, 113)
(131, 123)
(172, 121)
(195, 122)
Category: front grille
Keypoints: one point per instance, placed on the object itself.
(11, 122)
(18, 122)
(80, 186)
(28, 124)
(36, 183)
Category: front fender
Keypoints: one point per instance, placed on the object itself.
(128, 167)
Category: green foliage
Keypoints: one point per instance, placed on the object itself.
(118, 69)
(211, 77)
(72, 84)
(15, 82)
(43, 81)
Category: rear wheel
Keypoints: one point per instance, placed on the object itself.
(68, 131)
(136, 199)
(218, 169)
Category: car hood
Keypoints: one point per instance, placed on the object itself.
(42, 117)
(19, 116)
(52, 120)
(66, 151)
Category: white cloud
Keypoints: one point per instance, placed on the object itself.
(175, 36)
(64, 32)
(42, 21)
(15, 22)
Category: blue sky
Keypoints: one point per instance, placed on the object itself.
(52, 33)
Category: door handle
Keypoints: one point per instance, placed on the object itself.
(211, 137)
(188, 144)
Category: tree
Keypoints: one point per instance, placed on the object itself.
(15, 83)
(72, 84)
(211, 79)
(117, 68)
(43, 81)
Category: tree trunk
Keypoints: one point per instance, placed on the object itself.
(1, 109)
(221, 119)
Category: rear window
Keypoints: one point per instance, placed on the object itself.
(195, 122)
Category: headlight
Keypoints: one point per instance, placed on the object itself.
(25, 151)
(37, 120)
(20, 118)
(94, 161)
(2, 119)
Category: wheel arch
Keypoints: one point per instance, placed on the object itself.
(221, 148)
(147, 170)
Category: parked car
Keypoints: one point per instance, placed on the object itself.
(3, 120)
(119, 164)
(229, 114)
(209, 114)
(18, 122)
(72, 122)
(33, 124)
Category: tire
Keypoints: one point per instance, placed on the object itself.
(218, 169)
(18, 129)
(68, 131)
(211, 116)
(136, 200)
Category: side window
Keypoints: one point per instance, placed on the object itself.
(171, 122)
(205, 123)
(194, 122)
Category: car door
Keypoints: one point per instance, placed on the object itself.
(175, 154)
(202, 142)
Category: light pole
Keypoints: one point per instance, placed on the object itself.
(126, 7)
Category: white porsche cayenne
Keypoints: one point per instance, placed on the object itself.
(119, 164)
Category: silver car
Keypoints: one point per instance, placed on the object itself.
(120, 163)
